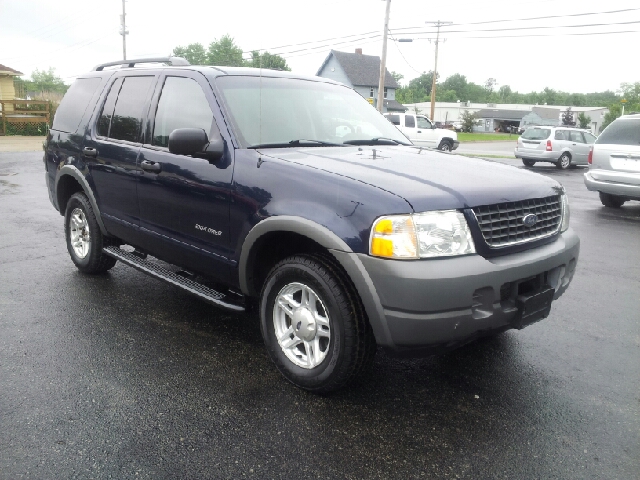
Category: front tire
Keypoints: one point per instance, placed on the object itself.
(611, 201)
(528, 163)
(313, 324)
(564, 161)
(445, 146)
(84, 238)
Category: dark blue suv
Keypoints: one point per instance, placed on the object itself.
(255, 187)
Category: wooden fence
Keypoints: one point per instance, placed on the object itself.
(22, 116)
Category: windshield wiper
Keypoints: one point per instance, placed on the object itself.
(375, 141)
(298, 143)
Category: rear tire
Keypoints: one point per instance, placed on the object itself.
(445, 146)
(84, 238)
(528, 163)
(313, 324)
(611, 201)
(564, 161)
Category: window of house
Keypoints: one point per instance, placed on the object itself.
(385, 92)
(371, 93)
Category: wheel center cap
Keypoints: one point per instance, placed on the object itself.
(304, 324)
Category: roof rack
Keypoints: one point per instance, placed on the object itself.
(173, 61)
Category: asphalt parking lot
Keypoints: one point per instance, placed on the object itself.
(122, 376)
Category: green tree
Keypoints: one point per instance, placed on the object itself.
(615, 111)
(567, 117)
(267, 60)
(583, 120)
(468, 120)
(45, 81)
(504, 93)
(194, 53)
(225, 53)
(397, 76)
(458, 83)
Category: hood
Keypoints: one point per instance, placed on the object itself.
(427, 179)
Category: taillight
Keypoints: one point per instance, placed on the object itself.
(590, 157)
(549, 148)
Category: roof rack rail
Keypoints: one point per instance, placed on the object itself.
(173, 61)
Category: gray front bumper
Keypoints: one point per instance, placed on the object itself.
(432, 305)
(456, 144)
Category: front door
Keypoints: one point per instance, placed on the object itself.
(427, 134)
(184, 201)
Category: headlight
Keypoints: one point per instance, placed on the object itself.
(422, 235)
(566, 214)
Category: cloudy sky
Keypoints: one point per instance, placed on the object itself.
(571, 45)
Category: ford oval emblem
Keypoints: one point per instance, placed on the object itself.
(530, 220)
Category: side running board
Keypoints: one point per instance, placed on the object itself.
(195, 288)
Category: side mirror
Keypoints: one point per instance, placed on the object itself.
(194, 142)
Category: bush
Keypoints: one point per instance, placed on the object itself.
(27, 129)
(468, 120)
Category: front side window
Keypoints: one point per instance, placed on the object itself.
(288, 111)
(576, 136)
(589, 138)
(423, 123)
(126, 120)
(182, 104)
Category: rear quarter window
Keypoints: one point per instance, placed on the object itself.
(395, 119)
(536, 133)
(621, 132)
(74, 104)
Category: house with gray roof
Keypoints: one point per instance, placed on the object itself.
(361, 72)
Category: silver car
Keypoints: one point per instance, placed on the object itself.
(564, 146)
(614, 162)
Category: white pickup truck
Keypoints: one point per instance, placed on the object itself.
(422, 132)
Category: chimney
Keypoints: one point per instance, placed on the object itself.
(359, 51)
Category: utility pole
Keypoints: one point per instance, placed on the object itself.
(438, 24)
(124, 32)
(383, 60)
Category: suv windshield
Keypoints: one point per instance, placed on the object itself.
(621, 132)
(536, 133)
(285, 111)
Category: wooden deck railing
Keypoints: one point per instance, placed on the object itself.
(23, 112)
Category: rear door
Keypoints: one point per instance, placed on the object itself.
(111, 151)
(184, 201)
(618, 149)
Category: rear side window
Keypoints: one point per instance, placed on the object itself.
(74, 104)
(121, 116)
(409, 121)
(561, 135)
(182, 105)
(395, 119)
(536, 133)
(621, 132)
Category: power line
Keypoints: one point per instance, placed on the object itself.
(542, 27)
(548, 17)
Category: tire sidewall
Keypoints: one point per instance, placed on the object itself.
(76, 201)
(445, 146)
(306, 378)
(564, 155)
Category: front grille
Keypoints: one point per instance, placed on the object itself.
(501, 224)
